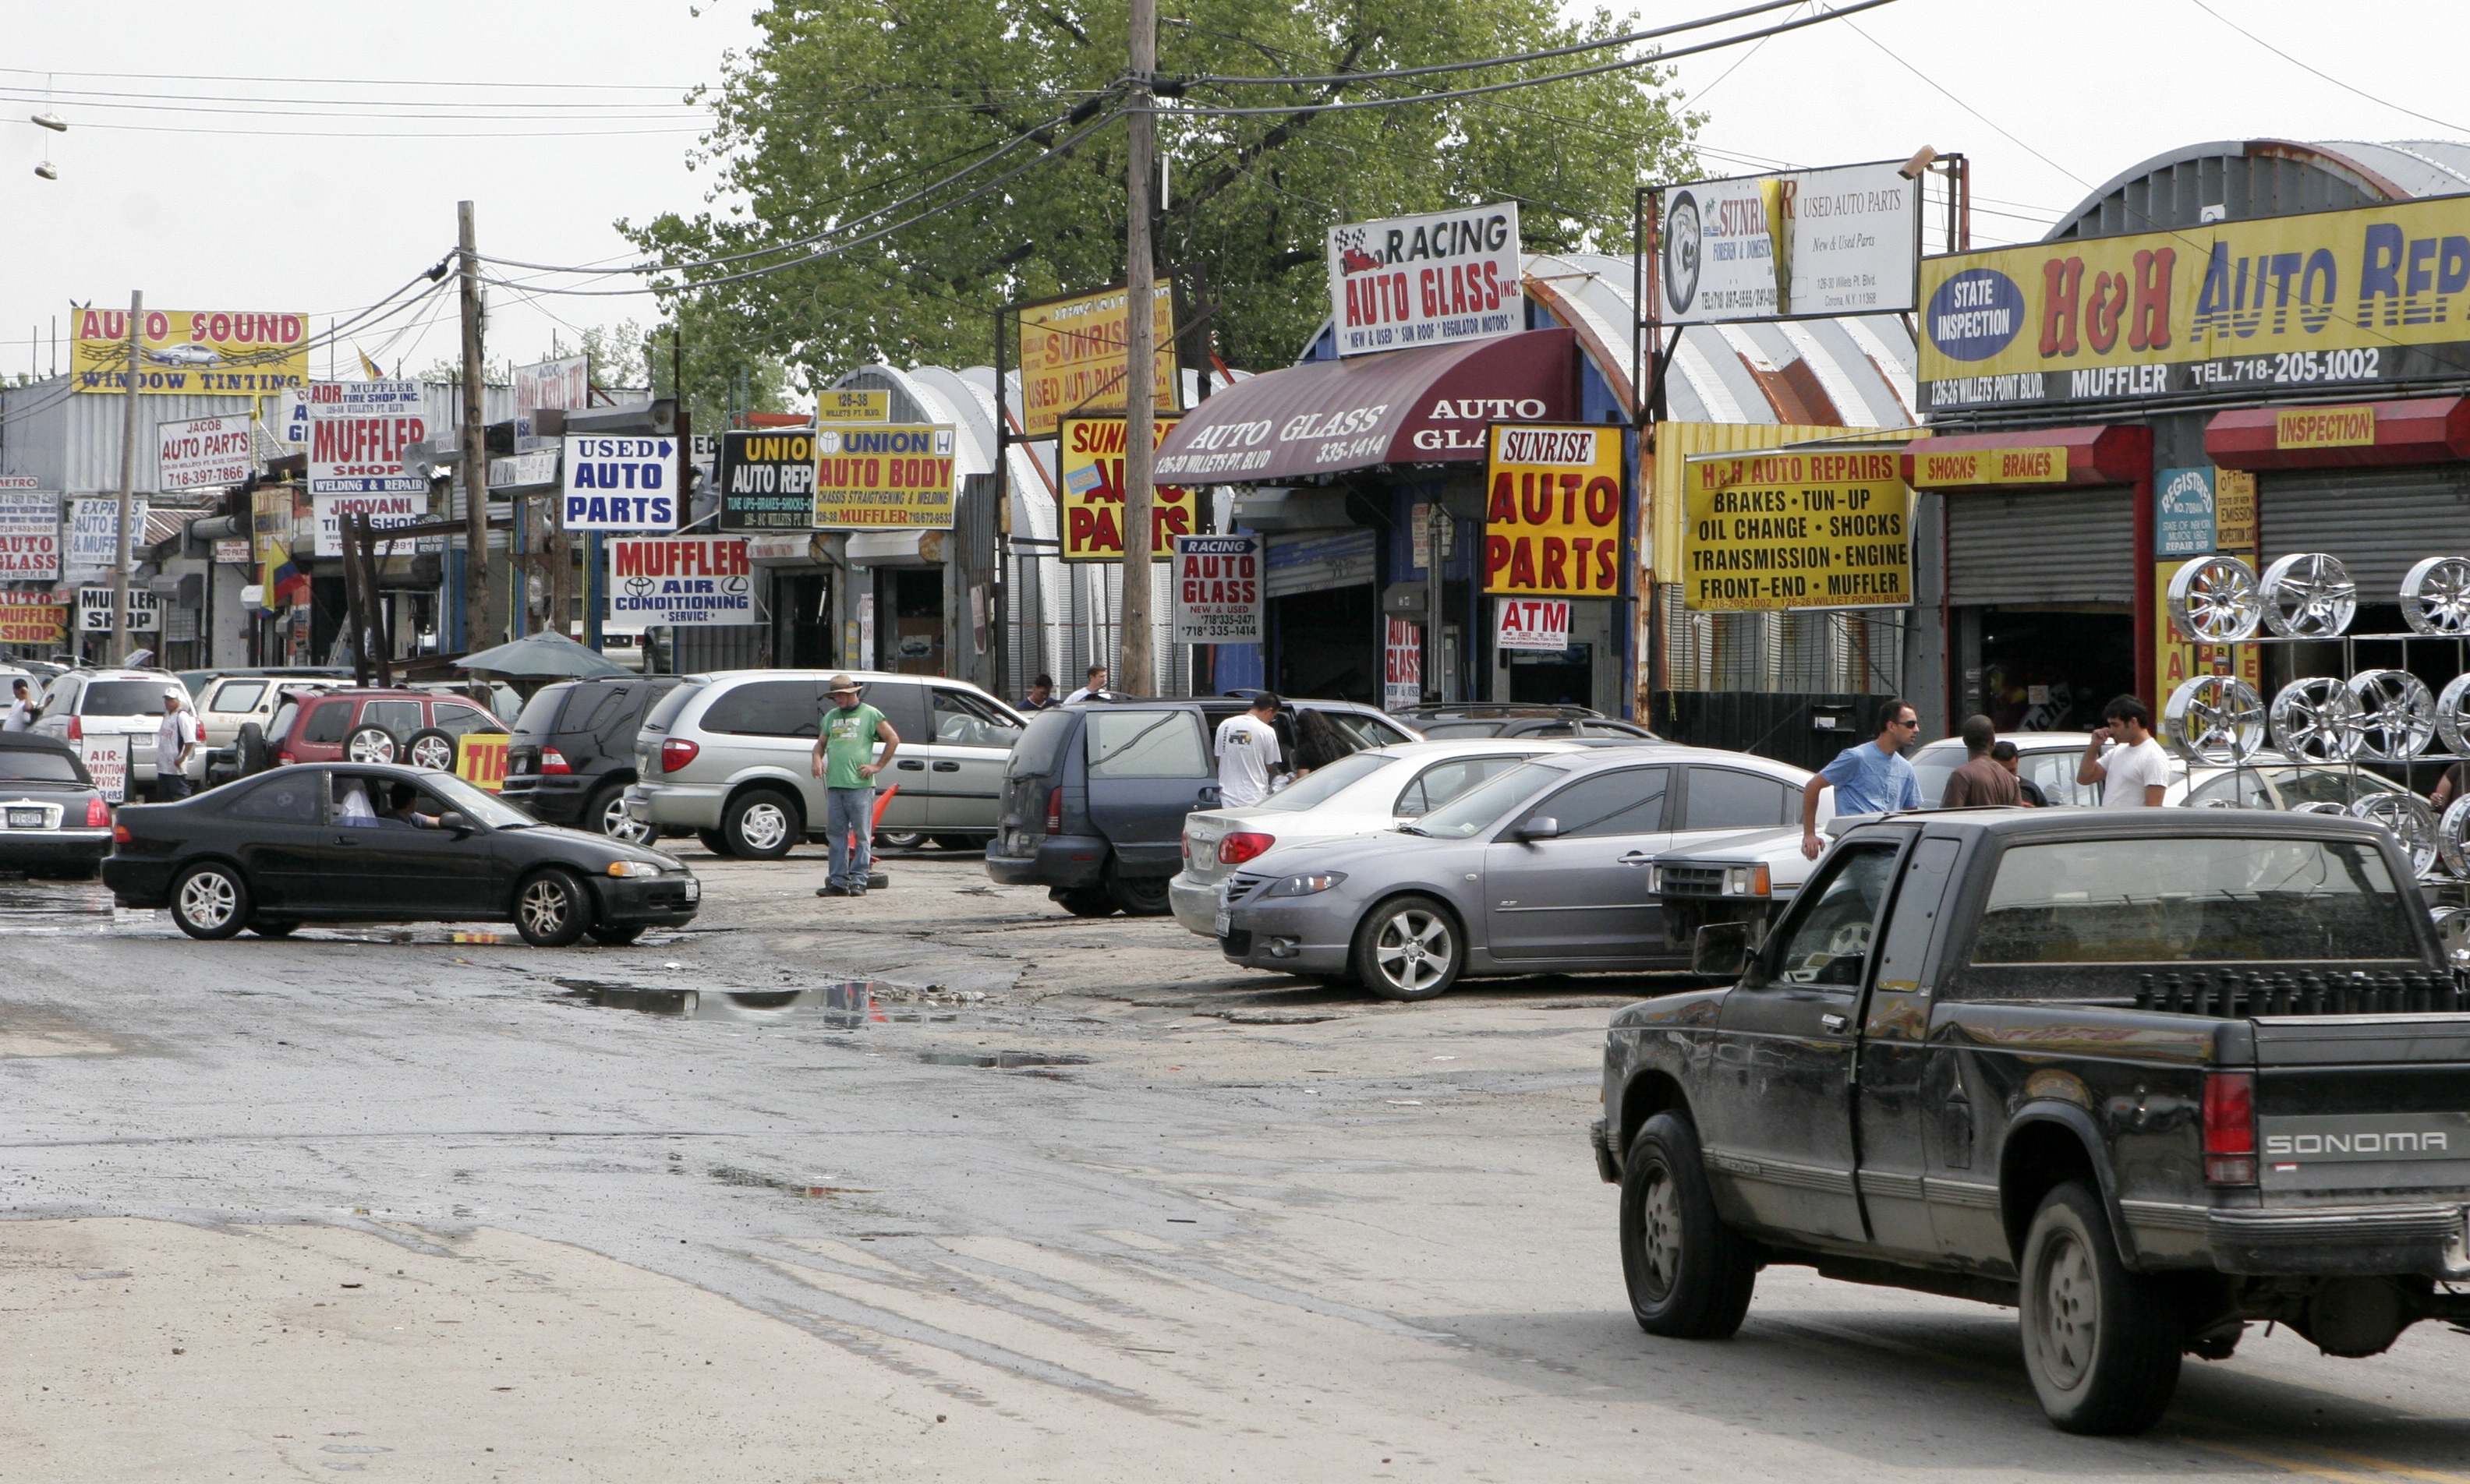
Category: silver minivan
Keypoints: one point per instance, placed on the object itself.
(727, 756)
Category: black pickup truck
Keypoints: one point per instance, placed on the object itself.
(2145, 1076)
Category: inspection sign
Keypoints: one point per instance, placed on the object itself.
(1797, 528)
(616, 483)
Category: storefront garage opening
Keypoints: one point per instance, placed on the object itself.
(2046, 670)
(1328, 644)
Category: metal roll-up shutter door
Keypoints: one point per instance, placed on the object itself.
(2378, 522)
(2041, 547)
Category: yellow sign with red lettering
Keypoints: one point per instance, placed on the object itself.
(1089, 464)
(480, 759)
(1987, 466)
(1552, 524)
(1072, 356)
(2324, 427)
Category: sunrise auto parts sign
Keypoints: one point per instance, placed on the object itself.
(1437, 279)
(1840, 241)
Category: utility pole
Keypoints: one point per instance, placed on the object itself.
(1136, 668)
(127, 489)
(477, 633)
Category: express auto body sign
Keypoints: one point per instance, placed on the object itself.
(1426, 280)
(679, 582)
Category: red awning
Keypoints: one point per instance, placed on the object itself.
(2119, 454)
(1427, 406)
(2420, 431)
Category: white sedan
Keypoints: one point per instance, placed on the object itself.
(1361, 793)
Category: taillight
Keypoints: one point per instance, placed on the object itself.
(77, 730)
(2229, 1129)
(551, 760)
(119, 834)
(1241, 846)
(1055, 811)
(98, 814)
(285, 759)
(675, 753)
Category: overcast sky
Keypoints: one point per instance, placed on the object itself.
(293, 206)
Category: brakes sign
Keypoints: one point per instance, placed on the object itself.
(619, 484)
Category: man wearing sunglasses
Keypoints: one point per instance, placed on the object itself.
(1872, 778)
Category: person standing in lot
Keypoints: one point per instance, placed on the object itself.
(1042, 695)
(1980, 781)
(1872, 778)
(21, 710)
(2006, 756)
(845, 761)
(1248, 754)
(2125, 759)
(173, 741)
(1096, 686)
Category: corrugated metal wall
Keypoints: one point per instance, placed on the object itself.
(2378, 522)
(2054, 547)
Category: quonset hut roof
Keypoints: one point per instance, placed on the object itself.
(2242, 179)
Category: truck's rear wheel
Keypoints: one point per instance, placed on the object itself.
(1689, 1275)
(2101, 1343)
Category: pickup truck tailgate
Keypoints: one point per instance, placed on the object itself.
(2352, 1106)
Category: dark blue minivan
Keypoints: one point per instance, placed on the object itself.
(1095, 794)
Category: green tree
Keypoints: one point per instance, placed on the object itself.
(846, 105)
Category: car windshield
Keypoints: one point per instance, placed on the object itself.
(1476, 810)
(1321, 784)
(476, 803)
(2193, 901)
(32, 767)
(121, 698)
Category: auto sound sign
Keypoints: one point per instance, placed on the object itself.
(620, 483)
(1797, 528)
(684, 582)
(187, 352)
(897, 476)
(1552, 523)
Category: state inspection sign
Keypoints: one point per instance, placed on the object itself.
(1797, 528)
(620, 483)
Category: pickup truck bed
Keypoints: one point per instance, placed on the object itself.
(2148, 1076)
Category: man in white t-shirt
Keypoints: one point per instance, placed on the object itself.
(173, 741)
(1247, 752)
(1095, 689)
(21, 707)
(2126, 759)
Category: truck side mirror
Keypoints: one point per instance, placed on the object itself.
(1722, 950)
(1541, 827)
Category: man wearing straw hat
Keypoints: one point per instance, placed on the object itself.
(845, 761)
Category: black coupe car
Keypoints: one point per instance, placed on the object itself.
(377, 843)
(53, 819)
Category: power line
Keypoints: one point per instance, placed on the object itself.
(1652, 58)
(1941, 88)
(2327, 76)
(214, 77)
(1212, 80)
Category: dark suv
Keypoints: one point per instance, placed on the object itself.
(1094, 795)
(573, 751)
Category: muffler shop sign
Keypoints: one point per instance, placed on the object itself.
(1553, 520)
(619, 484)
(683, 582)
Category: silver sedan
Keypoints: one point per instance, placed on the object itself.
(1541, 869)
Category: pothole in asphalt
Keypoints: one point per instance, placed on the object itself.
(848, 1006)
(1009, 1058)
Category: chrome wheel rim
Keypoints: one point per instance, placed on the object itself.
(2215, 719)
(2214, 600)
(2066, 1323)
(2316, 719)
(1414, 951)
(435, 754)
(1659, 1234)
(2412, 821)
(545, 906)
(2453, 838)
(208, 899)
(2308, 595)
(619, 824)
(2453, 714)
(372, 748)
(2396, 714)
(2436, 596)
(763, 826)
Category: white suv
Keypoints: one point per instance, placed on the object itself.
(728, 754)
(101, 703)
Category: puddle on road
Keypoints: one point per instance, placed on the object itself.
(1009, 1058)
(848, 1006)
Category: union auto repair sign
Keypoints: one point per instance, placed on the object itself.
(1428, 280)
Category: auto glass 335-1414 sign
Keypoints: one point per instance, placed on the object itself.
(1797, 528)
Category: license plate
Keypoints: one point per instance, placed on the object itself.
(694, 890)
(1225, 923)
(25, 819)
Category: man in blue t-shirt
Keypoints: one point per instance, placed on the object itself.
(1872, 778)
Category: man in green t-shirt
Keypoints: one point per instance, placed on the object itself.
(845, 761)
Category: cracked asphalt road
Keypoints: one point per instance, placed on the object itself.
(938, 1184)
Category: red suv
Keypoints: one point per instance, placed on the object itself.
(375, 726)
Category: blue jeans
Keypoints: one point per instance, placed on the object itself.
(849, 811)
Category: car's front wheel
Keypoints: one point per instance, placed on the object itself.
(551, 909)
(210, 901)
(761, 826)
(2101, 1343)
(1689, 1275)
(1407, 948)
